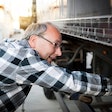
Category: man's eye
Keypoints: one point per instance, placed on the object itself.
(57, 45)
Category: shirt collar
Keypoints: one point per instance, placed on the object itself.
(24, 43)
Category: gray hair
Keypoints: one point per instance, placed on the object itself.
(35, 29)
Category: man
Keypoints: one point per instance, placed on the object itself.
(27, 62)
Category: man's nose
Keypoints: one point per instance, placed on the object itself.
(58, 51)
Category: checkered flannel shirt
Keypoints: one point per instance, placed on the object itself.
(21, 67)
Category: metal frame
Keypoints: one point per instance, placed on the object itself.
(97, 29)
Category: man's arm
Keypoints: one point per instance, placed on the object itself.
(37, 71)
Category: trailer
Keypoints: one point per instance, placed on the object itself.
(86, 28)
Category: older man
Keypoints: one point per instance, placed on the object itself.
(27, 62)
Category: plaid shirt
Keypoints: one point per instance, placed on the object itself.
(21, 67)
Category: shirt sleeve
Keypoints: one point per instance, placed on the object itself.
(34, 70)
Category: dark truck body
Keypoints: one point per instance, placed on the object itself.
(86, 27)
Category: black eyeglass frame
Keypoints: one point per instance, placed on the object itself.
(56, 45)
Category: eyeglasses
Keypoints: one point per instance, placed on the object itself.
(56, 45)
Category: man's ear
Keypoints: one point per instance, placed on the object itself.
(32, 41)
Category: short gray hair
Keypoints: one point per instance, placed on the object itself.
(35, 28)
